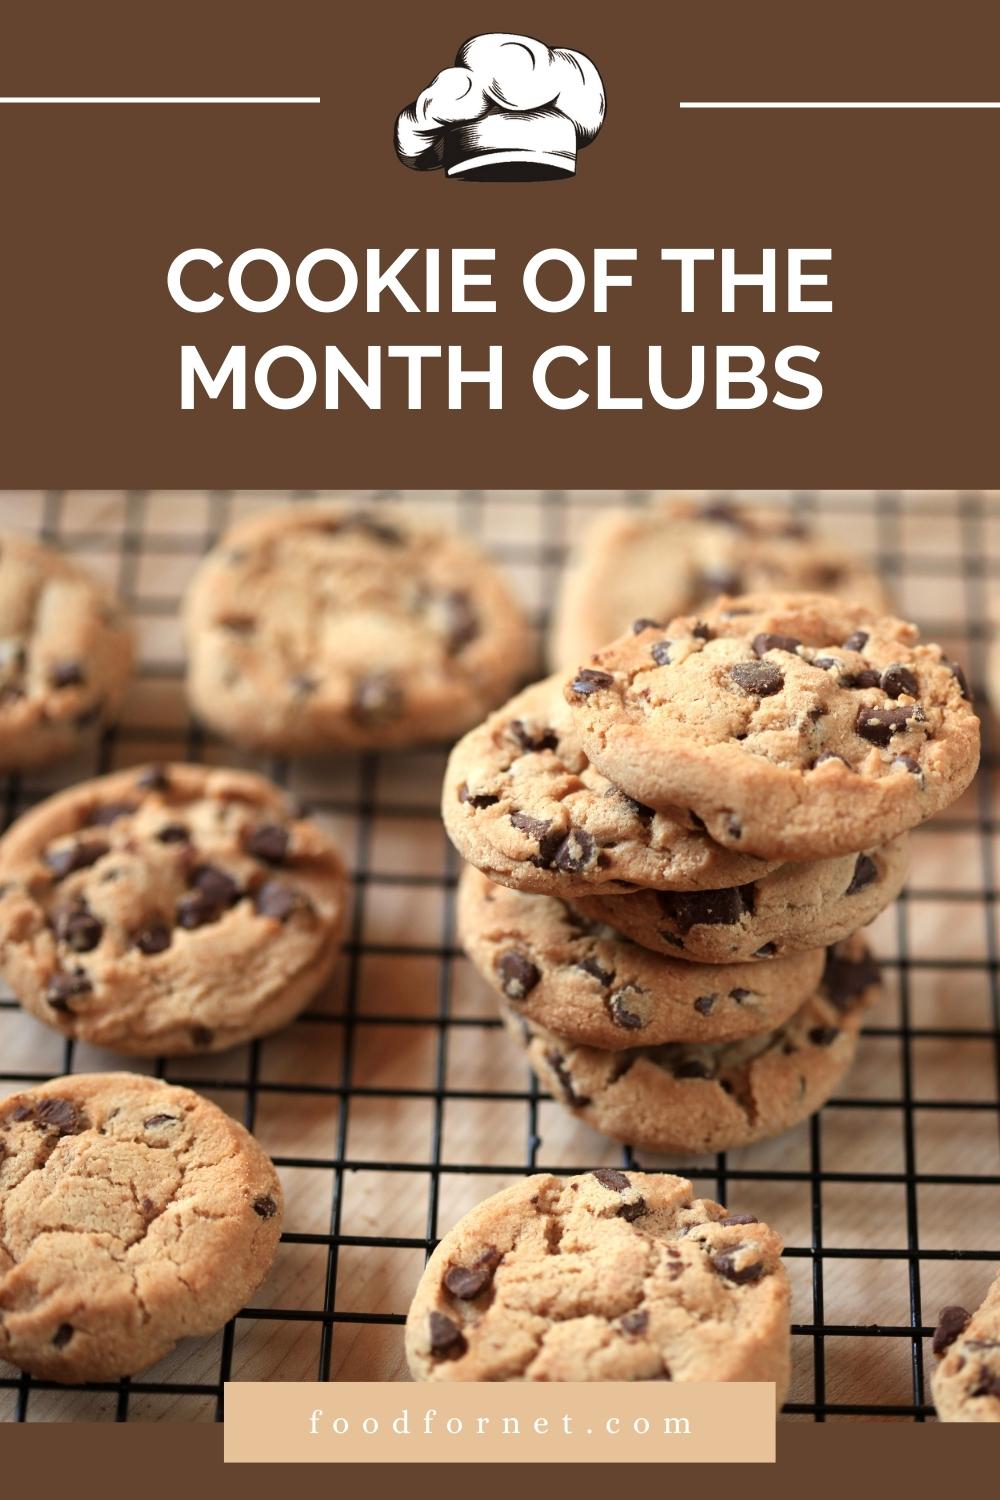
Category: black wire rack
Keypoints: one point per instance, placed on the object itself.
(390, 1105)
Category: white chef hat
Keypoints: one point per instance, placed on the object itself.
(510, 107)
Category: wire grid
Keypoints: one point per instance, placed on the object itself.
(339, 1316)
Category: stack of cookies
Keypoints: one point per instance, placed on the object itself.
(675, 847)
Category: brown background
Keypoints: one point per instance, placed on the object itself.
(99, 199)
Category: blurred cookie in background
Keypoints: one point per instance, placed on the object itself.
(678, 554)
(313, 628)
(65, 655)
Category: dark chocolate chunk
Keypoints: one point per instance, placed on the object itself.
(823, 1036)
(961, 679)
(660, 652)
(702, 632)
(197, 910)
(766, 950)
(156, 1122)
(844, 979)
(856, 642)
(268, 841)
(766, 642)
(951, 1322)
(687, 909)
(740, 996)
(826, 663)
(156, 937)
(758, 679)
(612, 1179)
(173, 833)
(632, 1211)
(202, 1036)
(865, 871)
(153, 779)
(109, 812)
(704, 1004)
(361, 523)
(988, 1384)
(724, 1262)
(79, 929)
(215, 885)
(277, 900)
(265, 1206)
(589, 680)
(62, 1335)
(634, 1322)
(467, 1282)
(593, 968)
(71, 857)
(898, 679)
(64, 674)
(462, 621)
(476, 799)
(638, 626)
(518, 975)
(557, 1063)
(878, 725)
(446, 1338)
(618, 1008)
(60, 1115)
(532, 740)
(909, 763)
(576, 852)
(62, 988)
(866, 678)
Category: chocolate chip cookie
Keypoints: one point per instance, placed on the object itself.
(132, 1214)
(794, 727)
(677, 555)
(606, 1276)
(65, 655)
(800, 906)
(698, 1098)
(966, 1381)
(595, 988)
(169, 909)
(315, 627)
(522, 802)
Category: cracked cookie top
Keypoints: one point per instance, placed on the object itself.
(703, 1096)
(65, 654)
(522, 802)
(795, 727)
(594, 987)
(678, 555)
(168, 909)
(966, 1380)
(314, 627)
(607, 1276)
(132, 1214)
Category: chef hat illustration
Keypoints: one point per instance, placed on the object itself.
(510, 108)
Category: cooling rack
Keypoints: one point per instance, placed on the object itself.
(393, 1105)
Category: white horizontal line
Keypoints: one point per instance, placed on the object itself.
(159, 99)
(837, 104)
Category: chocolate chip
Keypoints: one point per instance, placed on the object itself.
(533, 740)
(878, 725)
(64, 674)
(856, 642)
(154, 938)
(446, 1338)
(618, 1009)
(557, 1063)
(826, 663)
(376, 698)
(153, 779)
(265, 1206)
(60, 1115)
(952, 1321)
(63, 987)
(844, 979)
(215, 885)
(720, 581)
(704, 1003)
(363, 524)
(638, 626)
(593, 968)
(702, 632)
(634, 1322)
(467, 1282)
(739, 1219)
(758, 679)
(268, 841)
(660, 652)
(823, 1036)
(589, 680)
(110, 812)
(765, 642)
(724, 1262)
(632, 1211)
(276, 900)
(961, 679)
(766, 950)
(866, 678)
(576, 852)
(612, 1179)
(865, 871)
(988, 1384)
(462, 621)
(197, 910)
(173, 833)
(687, 909)
(740, 996)
(202, 1036)
(909, 764)
(62, 1335)
(72, 857)
(476, 799)
(518, 975)
(898, 679)
(79, 929)
(155, 1122)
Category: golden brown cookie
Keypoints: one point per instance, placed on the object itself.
(132, 1214)
(168, 909)
(966, 1380)
(316, 627)
(607, 1276)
